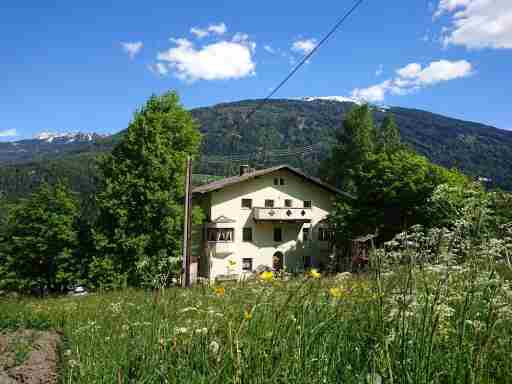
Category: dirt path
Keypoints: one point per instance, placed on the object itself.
(28, 357)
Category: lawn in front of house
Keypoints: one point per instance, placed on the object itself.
(404, 326)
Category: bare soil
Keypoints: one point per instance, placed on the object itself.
(28, 357)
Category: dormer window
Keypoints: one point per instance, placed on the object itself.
(281, 181)
(269, 203)
(288, 203)
(307, 204)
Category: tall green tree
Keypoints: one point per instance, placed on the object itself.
(389, 135)
(391, 184)
(140, 220)
(40, 240)
(355, 143)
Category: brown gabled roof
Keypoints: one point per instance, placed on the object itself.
(219, 184)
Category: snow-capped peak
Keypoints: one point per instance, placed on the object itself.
(68, 137)
(340, 99)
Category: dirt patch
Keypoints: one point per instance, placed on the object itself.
(28, 357)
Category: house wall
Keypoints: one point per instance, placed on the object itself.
(228, 202)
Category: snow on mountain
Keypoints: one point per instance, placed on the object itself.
(344, 99)
(340, 99)
(67, 137)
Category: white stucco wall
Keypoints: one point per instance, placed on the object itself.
(228, 202)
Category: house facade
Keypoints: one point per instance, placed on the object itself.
(271, 218)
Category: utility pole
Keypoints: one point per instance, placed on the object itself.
(187, 235)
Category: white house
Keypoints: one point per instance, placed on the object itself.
(271, 217)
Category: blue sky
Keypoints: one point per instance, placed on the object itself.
(86, 66)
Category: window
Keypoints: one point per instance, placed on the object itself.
(288, 203)
(247, 234)
(305, 234)
(278, 234)
(281, 181)
(247, 265)
(276, 181)
(326, 234)
(269, 203)
(247, 203)
(220, 234)
(307, 204)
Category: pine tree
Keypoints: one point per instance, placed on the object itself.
(389, 135)
(354, 145)
(141, 202)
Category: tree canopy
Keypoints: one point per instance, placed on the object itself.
(141, 198)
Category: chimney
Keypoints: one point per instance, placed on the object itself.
(244, 169)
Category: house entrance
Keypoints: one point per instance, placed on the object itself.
(277, 261)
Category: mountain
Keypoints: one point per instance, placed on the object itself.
(295, 131)
(50, 145)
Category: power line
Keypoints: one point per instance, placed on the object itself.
(305, 58)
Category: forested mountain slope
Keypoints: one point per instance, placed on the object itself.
(286, 125)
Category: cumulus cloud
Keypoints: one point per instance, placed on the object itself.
(159, 69)
(477, 23)
(217, 29)
(132, 48)
(413, 77)
(217, 61)
(269, 49)
(304, 46)
(8, 133)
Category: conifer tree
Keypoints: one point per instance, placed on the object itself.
(389, 135)
(141, 202)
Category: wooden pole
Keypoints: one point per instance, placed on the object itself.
(187, 235)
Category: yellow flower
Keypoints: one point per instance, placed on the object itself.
(335, 292)
(266, 276)
(315, 274)
(220, 291)
(247, 315)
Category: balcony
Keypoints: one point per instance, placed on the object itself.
(221, 248)
(291, 215)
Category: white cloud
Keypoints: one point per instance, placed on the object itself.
(478, 23)
(218, 29)
(269, 49)
(132, 48)
(198, 32)
(159, 69)
(8, 133)
(380, 70)
(373, 94)
(304, 46)
(221, 60)
(413, 77)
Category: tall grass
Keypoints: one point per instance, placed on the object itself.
(432, 309)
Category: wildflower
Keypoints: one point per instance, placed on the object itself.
(335, 292)
(201, 331)
(220, 291)
(266, 276)
(67, 352)
(179, 330)
(214, 347)
(315, 274)
(73, 363)
(247, 315)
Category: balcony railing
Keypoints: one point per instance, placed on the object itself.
(283, 214)
(222, 247)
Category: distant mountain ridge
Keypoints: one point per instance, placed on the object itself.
(283, 124)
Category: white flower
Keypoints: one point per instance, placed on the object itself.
(180, 330)
(201, 331)
(214, 347)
